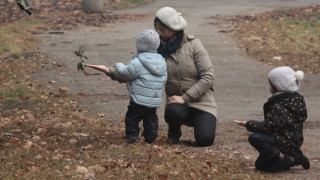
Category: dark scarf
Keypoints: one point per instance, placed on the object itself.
(170, 45)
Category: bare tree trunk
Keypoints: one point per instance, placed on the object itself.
(90, 6)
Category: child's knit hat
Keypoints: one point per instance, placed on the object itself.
(285, 79)
(148, 41)
(171, 18)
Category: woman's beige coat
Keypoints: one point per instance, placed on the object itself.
(191, 75)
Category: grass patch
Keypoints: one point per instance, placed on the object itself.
(15, 97)
(16, 37)
(15, 93)
(121, 4)
(292, 34)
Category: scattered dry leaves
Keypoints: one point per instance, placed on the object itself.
(281, 37)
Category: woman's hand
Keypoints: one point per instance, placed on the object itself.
(241, 123)
(175, 99)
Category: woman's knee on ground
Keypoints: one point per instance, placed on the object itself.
(204, 139)
(175, 113)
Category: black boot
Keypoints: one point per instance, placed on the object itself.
(174, 135)
(131, 141)
(285, 162)
(302, 160)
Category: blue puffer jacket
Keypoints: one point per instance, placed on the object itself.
(146, 75)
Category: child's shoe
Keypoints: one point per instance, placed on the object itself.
(149, 141)
(131, 141)
(285, 162)
(302, 160)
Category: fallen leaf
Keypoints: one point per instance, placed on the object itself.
(88, 147)
(64, 89)
(225, 167)
(28, 144)
(13, 141)
(57, 157)
(101, 115)
(97, 168)
(73, 141)
(163, 177)
(214, 170)
(81, 170)
(38, 157)
(193, 176)
(247, 157)
(36, 138)
(79, 134)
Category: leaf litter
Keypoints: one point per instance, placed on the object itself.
(51, 138)
(287, 36)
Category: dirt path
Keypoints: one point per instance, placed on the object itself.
(241, 86)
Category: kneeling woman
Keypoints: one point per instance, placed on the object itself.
(189, 89)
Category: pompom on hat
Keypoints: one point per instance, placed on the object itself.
(148, 41)
(171, 18)
(285, 79)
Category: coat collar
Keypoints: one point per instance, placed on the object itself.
(185, 38)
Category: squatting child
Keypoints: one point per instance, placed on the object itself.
(279, 137)
(145, 76)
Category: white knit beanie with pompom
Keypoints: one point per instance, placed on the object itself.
(285, 79)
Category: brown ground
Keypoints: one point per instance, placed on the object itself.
(241, 87)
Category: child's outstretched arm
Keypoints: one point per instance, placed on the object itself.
(101, 68)
(108, 71)
(241, 123)
(127, 72)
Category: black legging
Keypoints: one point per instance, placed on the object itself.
(204, 123)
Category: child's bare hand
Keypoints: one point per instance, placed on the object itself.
(241, 123)
(87, 65)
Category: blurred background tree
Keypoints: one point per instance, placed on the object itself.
(90, 6)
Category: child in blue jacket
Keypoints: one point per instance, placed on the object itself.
(145, 76)
(279, 137)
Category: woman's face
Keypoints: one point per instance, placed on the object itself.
(164, 32)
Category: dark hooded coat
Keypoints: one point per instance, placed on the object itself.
(284, 115)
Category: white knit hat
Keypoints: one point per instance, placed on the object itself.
(285, 79)
(171, 18)
(148, 41)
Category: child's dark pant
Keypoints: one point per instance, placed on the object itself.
(269, 153)
(134, 115)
